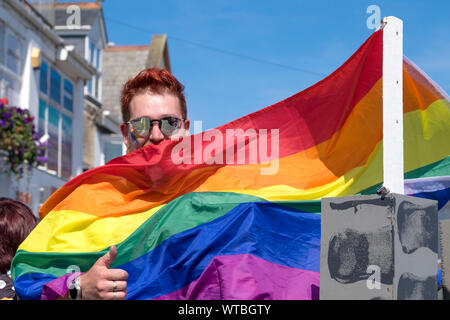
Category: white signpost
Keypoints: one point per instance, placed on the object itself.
(393, 167)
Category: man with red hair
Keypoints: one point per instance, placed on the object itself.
(153, 96)
(153, 110)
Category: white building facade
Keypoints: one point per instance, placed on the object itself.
(41, 72)
(82, 25)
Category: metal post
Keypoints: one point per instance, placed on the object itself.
(393, 168)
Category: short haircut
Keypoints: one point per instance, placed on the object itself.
(154, 80)
(16, 223)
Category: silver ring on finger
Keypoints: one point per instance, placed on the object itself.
(115, 286)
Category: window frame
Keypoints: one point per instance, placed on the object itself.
(91, 84)
(95, 59)
(13, 96)
(111, 139)
(19, 58)
(62, 110)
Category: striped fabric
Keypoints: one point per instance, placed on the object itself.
(234, 212)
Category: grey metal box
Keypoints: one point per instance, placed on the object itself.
(379, 247)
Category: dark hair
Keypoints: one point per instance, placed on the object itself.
(16, 223)
(155, 80)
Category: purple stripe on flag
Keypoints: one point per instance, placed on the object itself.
(58, 287)
(247, 277)
(428, 184)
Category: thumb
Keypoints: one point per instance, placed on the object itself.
(108, 258)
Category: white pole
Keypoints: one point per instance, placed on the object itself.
(393, 105)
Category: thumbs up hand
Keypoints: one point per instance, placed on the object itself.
(100, 282)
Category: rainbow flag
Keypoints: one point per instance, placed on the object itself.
(234, 212)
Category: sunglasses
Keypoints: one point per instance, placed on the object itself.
(143, 126)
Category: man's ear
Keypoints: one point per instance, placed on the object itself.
(187, 123)
(124, 130)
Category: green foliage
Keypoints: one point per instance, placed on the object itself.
(19, 140)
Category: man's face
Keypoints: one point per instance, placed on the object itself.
(155, 107)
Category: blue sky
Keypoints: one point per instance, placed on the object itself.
(312, 38)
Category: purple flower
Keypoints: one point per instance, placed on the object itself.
(2, 123)
(6, 115)
(20, 152)
(30, 168)
(42, 159)
(35, 136)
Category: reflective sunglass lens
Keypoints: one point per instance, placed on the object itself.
(141, 126)
(169, 125)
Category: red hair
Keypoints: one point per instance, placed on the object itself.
(16, 223)
(155, 80)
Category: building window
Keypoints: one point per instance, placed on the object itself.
(91, 83)
(93, 86)
(11, 63)
(92, 53)
(53, 132)
(97, 63)
(66, 146)
(13, 54)
(55, 119)
(42, 123)
(112, 147)
(55, 86)
(97, 87)
(43, 82)
(2, 43)
(68, 95)
(89, 86)
(98, 78)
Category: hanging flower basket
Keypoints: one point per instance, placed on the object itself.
(19, 140)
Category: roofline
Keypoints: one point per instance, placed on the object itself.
(44, 28)
(104, 26)
(86, 4)
(44, 19)
(60, 44)
(97, 6)
(127, 48)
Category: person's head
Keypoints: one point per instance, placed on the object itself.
(154, 94)
(16, 223)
